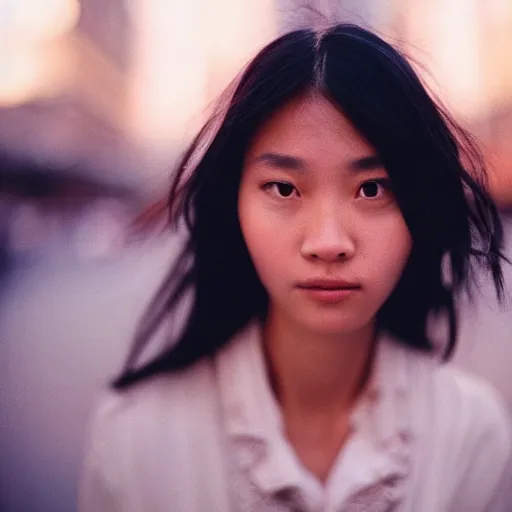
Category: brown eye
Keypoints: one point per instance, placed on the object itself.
(285, 189)
(372, 189)
(281, 189)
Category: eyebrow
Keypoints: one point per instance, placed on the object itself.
(293, 163)
(281, 161)
(367, 163)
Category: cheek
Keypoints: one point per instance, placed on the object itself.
(391, 247)
(267, 237)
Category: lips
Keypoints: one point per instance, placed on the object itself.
(329, 291)
(328, 284)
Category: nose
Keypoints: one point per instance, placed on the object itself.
(328, 237)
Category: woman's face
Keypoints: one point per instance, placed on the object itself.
(326, 236)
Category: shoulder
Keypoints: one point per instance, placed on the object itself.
(477, 410)
(172, 398)
(156, 440)
(464, 431)
(449, 402)
(132, 426)
(463, 399)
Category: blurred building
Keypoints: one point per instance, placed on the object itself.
(65, 155)
(125, 87)
(64, 80)
(465, 51)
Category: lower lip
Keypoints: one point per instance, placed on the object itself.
(330, 296)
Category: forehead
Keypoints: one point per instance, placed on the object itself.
(310, 126)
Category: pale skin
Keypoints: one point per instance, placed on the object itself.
(329, 244)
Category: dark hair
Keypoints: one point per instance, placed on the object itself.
(436, 170)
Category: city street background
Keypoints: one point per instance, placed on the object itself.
(97, 100)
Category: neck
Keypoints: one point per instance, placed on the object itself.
(316, 374)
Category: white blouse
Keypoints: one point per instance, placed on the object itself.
(424, 438)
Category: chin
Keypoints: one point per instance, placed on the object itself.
(332, 323)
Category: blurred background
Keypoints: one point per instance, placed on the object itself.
(97, 100)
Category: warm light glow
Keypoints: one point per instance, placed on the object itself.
(236, 31)
(500, 10)
(170, 68)
(21, 72)
(29, 72)
(32, 62)
(37, 20)
(186, 52)
(450, 52)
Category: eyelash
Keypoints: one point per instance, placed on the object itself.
(384, 183)
(274, 184)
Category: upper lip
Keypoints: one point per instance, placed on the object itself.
(328, 284)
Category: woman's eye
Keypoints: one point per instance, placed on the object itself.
(281, 189)
(372, 189)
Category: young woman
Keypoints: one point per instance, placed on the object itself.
(332, 211)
